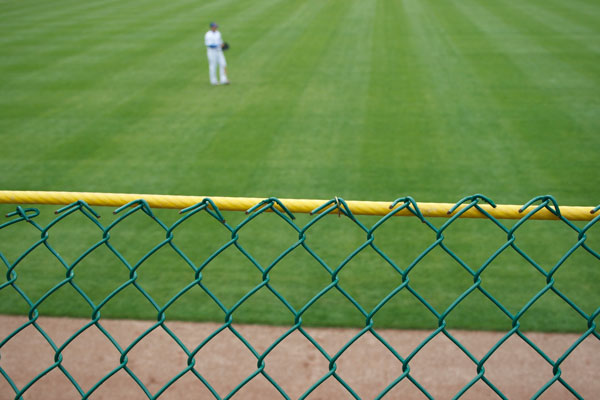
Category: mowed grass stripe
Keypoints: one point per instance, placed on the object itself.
(402, 111)
(510, 92)
(42, 15)
(395, 90)
(56, 36)
(337, 76)
(567, 94)
(310, 132)
(557, 107)
(571, 77)
(458, 106)
(586, 6)
(552, 36)
(582, 14)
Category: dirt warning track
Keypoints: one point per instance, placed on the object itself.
(295, 364)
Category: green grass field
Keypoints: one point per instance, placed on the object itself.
(366, 100)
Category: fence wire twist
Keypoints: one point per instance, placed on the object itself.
(273, 205)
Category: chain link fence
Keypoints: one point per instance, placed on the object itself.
(32, 301)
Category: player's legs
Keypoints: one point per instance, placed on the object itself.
(212, 66)
(223, 68)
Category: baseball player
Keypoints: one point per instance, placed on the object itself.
(214, 50)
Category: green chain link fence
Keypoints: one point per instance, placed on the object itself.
(274, 206)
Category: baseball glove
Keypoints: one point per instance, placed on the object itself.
(225, 46)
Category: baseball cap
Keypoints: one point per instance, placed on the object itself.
(213, 24)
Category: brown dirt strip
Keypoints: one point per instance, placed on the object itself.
(367, 366)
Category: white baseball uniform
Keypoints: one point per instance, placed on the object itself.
(213, 42)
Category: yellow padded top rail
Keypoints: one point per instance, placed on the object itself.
(293, 205)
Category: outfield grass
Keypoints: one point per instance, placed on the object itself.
(366, 100)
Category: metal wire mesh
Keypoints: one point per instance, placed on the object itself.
(335, 206)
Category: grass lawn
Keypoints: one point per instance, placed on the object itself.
(365, 100)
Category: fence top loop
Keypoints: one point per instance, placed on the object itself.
(269, 204)
(545, 199)
(474, 199)
(207, 204)
(77, 205)
(408, 202)
(139, 203)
